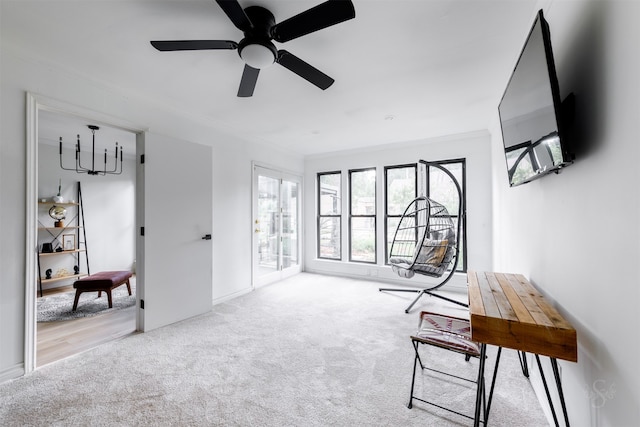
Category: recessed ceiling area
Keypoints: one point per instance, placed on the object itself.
(436, 67)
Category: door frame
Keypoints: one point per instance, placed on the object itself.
(35, 103)
(254, 210)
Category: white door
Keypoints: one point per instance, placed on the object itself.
(276, 225)
(175, 254)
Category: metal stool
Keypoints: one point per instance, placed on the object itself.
(453, 334)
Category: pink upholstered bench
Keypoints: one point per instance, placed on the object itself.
(104, 281)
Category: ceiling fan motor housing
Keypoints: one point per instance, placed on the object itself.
(256, 48)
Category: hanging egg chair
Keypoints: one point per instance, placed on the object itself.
(424, 241)
(427, 242)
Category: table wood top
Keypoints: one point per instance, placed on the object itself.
(507, 311)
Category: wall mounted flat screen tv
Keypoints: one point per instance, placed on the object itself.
(535, 141)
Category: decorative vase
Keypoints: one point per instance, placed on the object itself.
(58, 198)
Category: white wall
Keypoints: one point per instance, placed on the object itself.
(109, 210)
(576, 235)
(474, 148)
(232, 231)
(585, 261)
(232, 214)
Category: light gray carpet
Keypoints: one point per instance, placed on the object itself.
(309, 351)
(59, 307)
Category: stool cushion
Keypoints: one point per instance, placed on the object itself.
(447, 332)
(103, 279)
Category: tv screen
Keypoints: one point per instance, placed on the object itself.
(530, 112)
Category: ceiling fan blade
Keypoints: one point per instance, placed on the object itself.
(235, 12)
(248, 81)
(304, 70)
(171, 45)
(324, 15)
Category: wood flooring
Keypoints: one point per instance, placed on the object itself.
(57, 340)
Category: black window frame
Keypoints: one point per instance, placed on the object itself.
(374, 215)
(463, 188)
(320, 216)
(386, 202)
(461, 266)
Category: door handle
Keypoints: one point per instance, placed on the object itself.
(206, 237)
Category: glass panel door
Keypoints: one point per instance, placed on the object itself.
(267, 224)
(276, 226)
(289, 224)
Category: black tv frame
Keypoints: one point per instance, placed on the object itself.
(560, 112)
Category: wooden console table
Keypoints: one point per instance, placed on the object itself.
(507, 311)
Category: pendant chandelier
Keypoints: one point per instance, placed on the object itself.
(79, 168)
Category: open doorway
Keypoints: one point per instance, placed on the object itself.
(96, 234)
(190, 251)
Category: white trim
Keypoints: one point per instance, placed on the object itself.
(12, 373)
(289, 175)
(30, 234)
(399, 145)
(56, 106)
(458, 282)
(231, 296)
(140, 215)
(275, 169)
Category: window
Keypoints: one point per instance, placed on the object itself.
(400, 183)
(441, 189)
(329, 215)
(362, 215)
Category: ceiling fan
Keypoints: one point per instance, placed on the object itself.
(257, 49)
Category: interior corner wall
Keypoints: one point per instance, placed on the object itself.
(474, 147)
(232, 233)
(232, 213)
(576, 235)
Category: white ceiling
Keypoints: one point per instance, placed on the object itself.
(53, 126)
(404, 69)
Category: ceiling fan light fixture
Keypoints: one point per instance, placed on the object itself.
(258, 54)
(259, 28)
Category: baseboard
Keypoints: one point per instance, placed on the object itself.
(12, 373)
(458, 282)
(231, 296)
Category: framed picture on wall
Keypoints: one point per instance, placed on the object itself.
(68, 242)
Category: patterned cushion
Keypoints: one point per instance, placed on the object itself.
(432, 252)
(447, 332)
